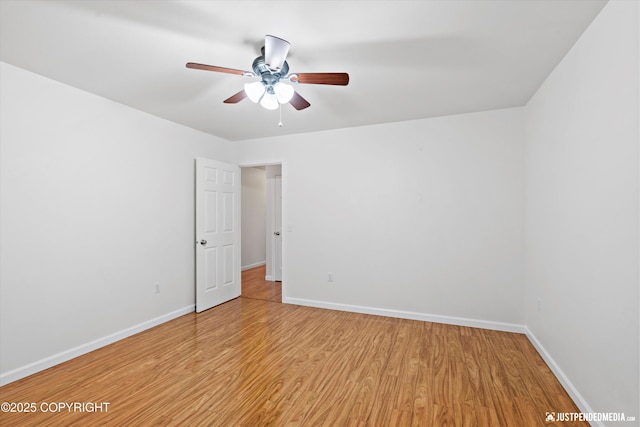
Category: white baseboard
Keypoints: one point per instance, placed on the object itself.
(254, 265)
(56, 359)
(560, 375)
(269, 278)
(449, 320)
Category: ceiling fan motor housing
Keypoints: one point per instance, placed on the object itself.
(269, 77)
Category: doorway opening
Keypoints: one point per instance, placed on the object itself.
(261, 225)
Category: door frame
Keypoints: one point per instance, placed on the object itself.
(276, 216)
(283, 211)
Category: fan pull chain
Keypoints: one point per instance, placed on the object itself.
(280, 122)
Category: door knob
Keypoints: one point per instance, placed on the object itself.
(203, 242)
(276, 233)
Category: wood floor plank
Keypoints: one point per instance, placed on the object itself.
(441, 372)
(408, 372)
(423, 397)
(443, 416)
(253, 362)
(386, 392)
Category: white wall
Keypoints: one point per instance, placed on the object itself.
(254, 190)
(96, 207)
(422, 217)
(582, 213)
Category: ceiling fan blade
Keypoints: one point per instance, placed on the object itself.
(215, 68)
(340, 79)
(298, 102)
(234, 99)
(275, 52)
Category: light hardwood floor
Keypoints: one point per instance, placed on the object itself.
(252, 362)
(254, 285)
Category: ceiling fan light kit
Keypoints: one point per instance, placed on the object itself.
(269, 96)
(272, 69)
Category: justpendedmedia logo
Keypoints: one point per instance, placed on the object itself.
(550, 417)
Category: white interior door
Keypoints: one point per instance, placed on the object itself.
(277, 218)
(217, 233)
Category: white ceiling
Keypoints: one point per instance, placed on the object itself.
(406, 59)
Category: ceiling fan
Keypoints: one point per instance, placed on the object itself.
(273, 70)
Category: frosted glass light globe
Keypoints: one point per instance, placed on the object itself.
(284, 92)
(254, 91)
(269, 101)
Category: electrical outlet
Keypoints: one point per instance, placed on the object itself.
(330, 278)
(156, 288)
(539, 305)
